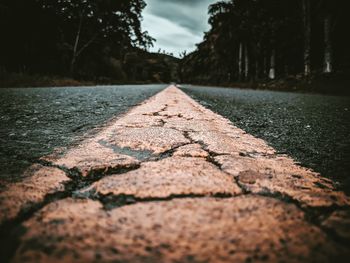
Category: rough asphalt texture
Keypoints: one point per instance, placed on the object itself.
(171, 181)
(313, 129)
(35, 121)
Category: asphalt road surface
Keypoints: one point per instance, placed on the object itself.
(34, 121)
(313, 129)
(208, 192)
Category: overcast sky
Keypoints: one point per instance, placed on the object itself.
(177, 25)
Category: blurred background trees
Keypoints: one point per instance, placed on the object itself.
(268, 39)
(84, 39)
(249, 41)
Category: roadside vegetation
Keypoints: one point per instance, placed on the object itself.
(48, 42)
(264, 44)
(293, 45)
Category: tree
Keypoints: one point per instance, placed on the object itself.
(328, 51)
(58, 37)
(328, 11)
(85, 22)
(240, 62)
(307, 37)
(270, 39)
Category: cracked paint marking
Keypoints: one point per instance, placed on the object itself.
(172, 181)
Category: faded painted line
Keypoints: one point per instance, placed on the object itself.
(181, 177)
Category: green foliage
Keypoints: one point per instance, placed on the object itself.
(79, 37)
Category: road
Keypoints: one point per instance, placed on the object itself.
(313, 129)
(35, 121)
(171, 181)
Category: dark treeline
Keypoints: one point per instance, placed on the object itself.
(84, 39)
(268, 39)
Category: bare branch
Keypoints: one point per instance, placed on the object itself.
(87, 44)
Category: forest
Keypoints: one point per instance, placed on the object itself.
(283, 44)
(263, 41)
(94, 40)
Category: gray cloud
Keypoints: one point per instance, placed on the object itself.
(176, 24)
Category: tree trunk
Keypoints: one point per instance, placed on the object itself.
(72, 65)
(240, 62)
(265, 65)
(307, 37)
(257, 60)
(272, 71)
(286, 69)
(328, 51)
(75, 47)
(246, 63)
(257, 69)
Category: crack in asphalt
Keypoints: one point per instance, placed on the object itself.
(312, 215)
(11, 231)
(140, 155)
(117, 201)
(93, 175)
